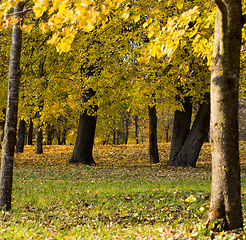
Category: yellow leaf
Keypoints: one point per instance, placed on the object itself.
(53, 39)
(125, 15)
(201, 209)
(62, 8)
(145, 25)
(151, 34)
(190, 199)
(136, 18)
(90, 26)
(39, 10)
(179, 5)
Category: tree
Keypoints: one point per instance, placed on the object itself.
(153, 148)
(181, 128)
(82, 152)
(21, 136)
(6, 176)
(39, 136)
(188, 151)
(225, 203)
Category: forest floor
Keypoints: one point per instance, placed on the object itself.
(122, 197)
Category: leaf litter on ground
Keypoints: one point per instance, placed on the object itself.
(122, 197)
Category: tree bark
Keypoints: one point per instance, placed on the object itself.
(136, 128)
(6, 176)
(50, 131)
(225, 201)
(39, 137)
(181, 128)
(82, 152)
(127, 128)
(30, 132)
(189, 152)
(153, 148)
(21, 137)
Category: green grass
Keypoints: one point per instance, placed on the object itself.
(109, 202)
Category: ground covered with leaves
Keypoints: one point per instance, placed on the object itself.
(122, 197)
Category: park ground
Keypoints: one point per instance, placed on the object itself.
(122, 197)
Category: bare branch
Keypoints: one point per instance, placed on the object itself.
(24, 11)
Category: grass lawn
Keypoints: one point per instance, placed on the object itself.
(122, 197)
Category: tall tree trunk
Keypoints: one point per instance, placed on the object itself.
(153, 148)
(30, 132)
(39, 137)
(21, 136)
(6, 176)
(82, 152)
(189, 152)
(225, 201)
(181, 128)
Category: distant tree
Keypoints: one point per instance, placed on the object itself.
(21, 136)
(153, 148)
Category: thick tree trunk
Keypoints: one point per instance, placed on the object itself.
(225, 201)
(30, 132)
(189, 152)
(39, 137)
(6, 176)
(21, 136)
(181, 128)
(82, 152)
(153, 148)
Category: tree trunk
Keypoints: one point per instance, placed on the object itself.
(127, 128)
(30, 132)
(136, 128)
(21, 136)
(153, 148)
(181, 128)
(64, 137)
(225, 201)
(39, 137)
(114, 137)
(82, 152)
(167, 133)
(6, 176)
(189, 152)
(50, 131)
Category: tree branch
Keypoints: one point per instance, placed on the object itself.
(222, 7)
